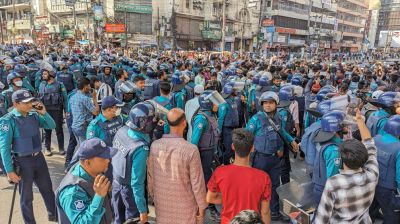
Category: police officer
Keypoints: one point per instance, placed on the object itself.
(22, 70)
(388, 188)
(21, 145)
(66, 78)
(327, 159)
(107, 123)
(268, 144)
(388, 102)
(122, 77)
(54, 96)
(163, 100)
(15, 83)
(129, 164)
(260, 89)
(251, 95)
(178, 96)
(228, 119)
(82, 196)
(205, 136)
(152, 84)
(105, 76)
(130, 96)
(75, 67)
(286, 96)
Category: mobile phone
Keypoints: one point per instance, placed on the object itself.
(37, 106)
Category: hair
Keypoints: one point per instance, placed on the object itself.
(176, 122)
(242, 140)
(247, 217)
(165, 88)
(138, 78)
(82, 83)
(353, 154)
(160, 73)
(119, 73)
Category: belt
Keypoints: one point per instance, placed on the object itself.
(265, 154)
(26, 155)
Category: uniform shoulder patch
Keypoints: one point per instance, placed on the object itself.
(337, 161)
(91, 134)
(145, 147)
(200, 126)
(4, 127)
(79, 205)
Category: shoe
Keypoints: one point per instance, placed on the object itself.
(275, 216)
(48, 153)
(52, 218)
(214, 214)
(61, 152)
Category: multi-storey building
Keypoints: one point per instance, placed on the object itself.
(388, 24)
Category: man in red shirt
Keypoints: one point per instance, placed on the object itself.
(239, 186)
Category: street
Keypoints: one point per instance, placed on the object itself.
(56, 167)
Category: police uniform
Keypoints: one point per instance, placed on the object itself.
(327, 163)
(386, 193)
(105, 129)
(160, 130)
(129, 171)
(178, 99)
(205, 136)
(228, 119)
(108, 79)
(54, 97)
(67, 79)
(76, 70)
(267, 144)
(75, 198)
(151, 88)
(376, 121)
(72, 143)
(20, 138)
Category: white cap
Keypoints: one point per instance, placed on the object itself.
(199, 89)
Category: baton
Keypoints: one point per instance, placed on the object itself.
(12, 203)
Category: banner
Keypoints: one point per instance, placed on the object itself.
(115, 28)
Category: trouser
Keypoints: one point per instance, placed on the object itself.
(317, 193)
(123, 203)
(72, 143)
(34, 169)
(80, 136)
(270, 165)
(389, 201)
(57, 116)
(207, 157)
(285, 168)
(227, 142)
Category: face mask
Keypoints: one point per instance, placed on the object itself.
(118, 112)
(18, 83)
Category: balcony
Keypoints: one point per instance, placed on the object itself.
(348, 34)
(19, 5)
(352, 12)
(328, 7)
(20, 24)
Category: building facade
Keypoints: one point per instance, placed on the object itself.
(388, 29)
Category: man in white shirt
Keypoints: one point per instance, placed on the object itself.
(191, 107)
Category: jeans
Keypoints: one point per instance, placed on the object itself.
(72, 143)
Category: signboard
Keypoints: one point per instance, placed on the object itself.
(115, 28)
(20, 24)
(281, 39)
(98, 12)
(70, 3)
(285, 30)
(267, 22)
(215, 35)
(270, 29)
(145, 9)
(68, 34)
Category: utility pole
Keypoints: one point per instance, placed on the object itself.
(259, 26)
(173, 26)
(1, 28)
(87, 20)
(223, 25)
(310, 2)
(15, 40)
(158, 28)
(74, 15)
(126, 28)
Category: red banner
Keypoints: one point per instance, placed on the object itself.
(267, 22)
(115, 28)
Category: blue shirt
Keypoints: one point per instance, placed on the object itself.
(180, 99)
(381, 122)
(95, 131)
(81, 107)
(222, 111)
(139, 170)
(8, 134)
(93, 209)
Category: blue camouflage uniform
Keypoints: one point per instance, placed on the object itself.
(228, 119)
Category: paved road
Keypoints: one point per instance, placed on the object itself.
(56, 167)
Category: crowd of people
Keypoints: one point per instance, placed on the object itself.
(190, 132)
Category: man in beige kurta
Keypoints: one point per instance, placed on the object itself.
(175, 176)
